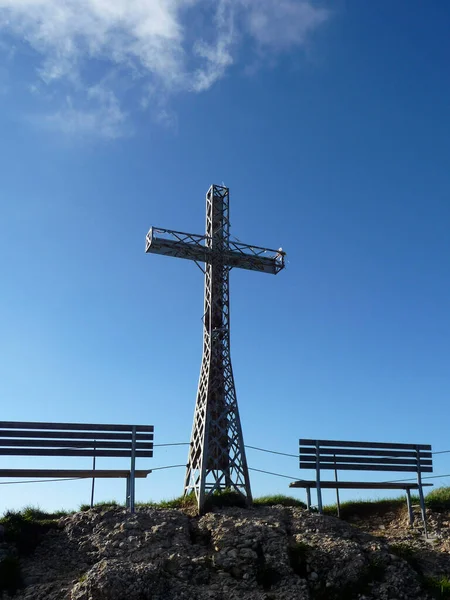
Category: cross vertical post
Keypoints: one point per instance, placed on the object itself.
(217, 460)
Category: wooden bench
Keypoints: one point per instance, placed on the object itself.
(78, 439)
(337, 456)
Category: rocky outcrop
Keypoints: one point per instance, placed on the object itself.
(273, 553)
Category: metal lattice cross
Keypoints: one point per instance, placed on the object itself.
(217, 455)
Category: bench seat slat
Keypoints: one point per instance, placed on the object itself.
(308, 450)
(82, 473)
(73, 426)
(68, 452)
(342, 444)
(346, 467)
(82, 435)
(35, 443)
(342, 460)
(356, 485)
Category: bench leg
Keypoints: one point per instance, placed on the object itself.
(408, 502)
(422, 508)
(422, 499)
(308, 499)
(127, 494)
(319, 491)
(132, 470)
(319, 498)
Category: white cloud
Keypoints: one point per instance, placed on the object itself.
(283, 24)
(164, 45)
(101, 116)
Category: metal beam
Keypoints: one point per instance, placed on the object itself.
(192, 247)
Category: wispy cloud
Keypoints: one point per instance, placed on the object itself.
(166, 46)
(101, 116)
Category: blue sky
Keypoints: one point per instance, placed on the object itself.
(330, 124)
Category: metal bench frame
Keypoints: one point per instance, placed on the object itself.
(364, 456)
(78, 439)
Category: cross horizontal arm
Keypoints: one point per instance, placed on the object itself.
(192, 247)
(255, 258)
(176, 243)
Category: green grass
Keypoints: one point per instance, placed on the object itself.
(439, 587)
(407, 553)
(219, 499)
(278, 499)
(438, 499)
(107, 504)
(225, 498)
(222, 499)
(367, 508)
(179, 502)
(373, 571)
(24, 528)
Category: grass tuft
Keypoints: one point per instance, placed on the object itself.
(25, 528)
(367, 508)
(180, 502)
(220, 499)
(225, 498)
(438, 499)
(438, 587)
(408, 554)
(277, 500)
(107, 504)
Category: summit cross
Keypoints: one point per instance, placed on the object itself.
(217, 460)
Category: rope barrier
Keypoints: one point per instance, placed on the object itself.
(176, 444)
(169, 467)
(276, 474)
(272, 451)
(44, 480)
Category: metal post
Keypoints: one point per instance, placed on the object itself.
(422, 499)
(93, 477)
(308, 498)
(338, 504)
(319, 490)
(132, 469)
(127, 493)
(408, 502)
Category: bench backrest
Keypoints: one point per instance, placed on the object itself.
(75, 439)
(365, 456)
